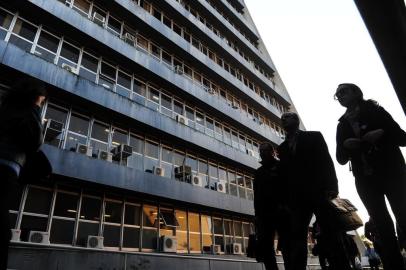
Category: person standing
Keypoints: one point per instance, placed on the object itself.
(369, 138)
(271, 214)
(308, 169)
(20, 138)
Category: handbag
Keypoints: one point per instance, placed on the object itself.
(344, 215)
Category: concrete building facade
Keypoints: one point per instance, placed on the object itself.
(155, 115)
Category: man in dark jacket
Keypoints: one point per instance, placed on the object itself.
(369, 138)
(20, 139)
(309, 171)
(271, 213)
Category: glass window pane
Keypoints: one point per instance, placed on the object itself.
(132, 214)
(69, 52)
(149, 238)
(194, 224)
(182, 220)
(217, 226)
(25, 30)
(114, 25)
(108, 70)
(38, 201)
(150, 214)
(178, 107)
(131, 237)
(167, 154)
(153, 94)
(62, 231)
(190, 113)
(137, 144)
(194, 242)
(48, 41)
(82, 5)
(111, 236)
(222, 174)
(200, 118)
(202, 166)
(207, 242)
(119, 137)
(5, 19)
(139, 88)
(100, 132)
(206, 224)
(90, 62)
(166, 101)
(85, 229)
(192, 162)
(151, 149)
(178, 158)
(124, 79)
(112, 212)
(213, 172)
(90, 209)
(238, 228)
(181, 238)
(66, 205)
(79, 124)
(31, 223)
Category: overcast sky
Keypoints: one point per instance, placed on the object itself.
(315, 45)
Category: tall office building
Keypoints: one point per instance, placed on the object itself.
(153, 123)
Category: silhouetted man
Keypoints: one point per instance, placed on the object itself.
(309, 171)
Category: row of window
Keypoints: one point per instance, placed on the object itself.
(188, 7)
(148, 153)
(132, 37)
(70, 215)
(57, 50)
(235, 7)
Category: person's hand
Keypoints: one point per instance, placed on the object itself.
(352, 144)
(373, 136)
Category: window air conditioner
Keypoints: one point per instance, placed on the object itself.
(122, 151)
(221, 186)
(15, 235)
(181, 119)
(183, 170)
(178, 69)
(53, 128)
(104, 155)
(84, 149)
(99, 19)
(95, 241)
(250, 152)
(70, 68)
(168, 243)
(197, 180)
(211, 91)
(159, 171)
(39, 237)
(235, 105)
(236, 248)
(215, 249)
(129, 37)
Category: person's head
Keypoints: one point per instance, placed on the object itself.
(290, 122)
(267, 152)
(26, 93)
(348, 94)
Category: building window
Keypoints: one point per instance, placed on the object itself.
(5, 22)
(151, 156)
(88, 68)
(107, 76)
(69, 55)
(89, 219)
(112, 223)
(218, 232)
(23, 34)
(52, 136)
(131, 233)
(241, 186)
(194, 233)
(207, 237)
(232, 184)
(166, 105)
(47, 46)
(114, 26)
(228, 235)
(99, 137)
(82, 6)
(181, 231)
(139, 88)
(78, 131)
(149, 230)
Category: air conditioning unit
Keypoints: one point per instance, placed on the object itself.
(159, 171)
(215, 249)
(99, 19)
(178, 69)
(70, 68)
(183, 170)
(95, 241)
(15, 235)
(84, 149)
(250, 152)
(129, 38)
(236, 248)
(197, 180)
(235, 105)
(221, 186)
(122, 151)
(168, 243)
(53, 129)
(211, 91)
(181, 119)
(39, 237)
(104, 155)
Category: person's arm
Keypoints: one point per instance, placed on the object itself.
(392, 133)
(327, 167)
(342, 154)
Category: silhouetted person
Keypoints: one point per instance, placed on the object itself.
(369, 138)
(351, 249)
(319, 249)
(20, 138)
(270, 209)
(309, 171)
(373, 258)
(372, 234)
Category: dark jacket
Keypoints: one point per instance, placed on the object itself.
(310, 170)
(20, 133)
(385, 157)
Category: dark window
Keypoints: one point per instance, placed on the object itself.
(89, 62)
(131, 237)
(66, 205)
(151, 149)
(25, 30)
(90, 209)
(31, 223)
(62, 231)
(69, 52)
(132, 214)
(100, 132)
(137, 144)
(38, 201)
(112, 212)
(48, 41)
(85, 229)
(79, 124)
(111, 236)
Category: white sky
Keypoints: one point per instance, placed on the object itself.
(315, 45)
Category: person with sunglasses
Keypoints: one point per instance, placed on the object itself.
(369, 138)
